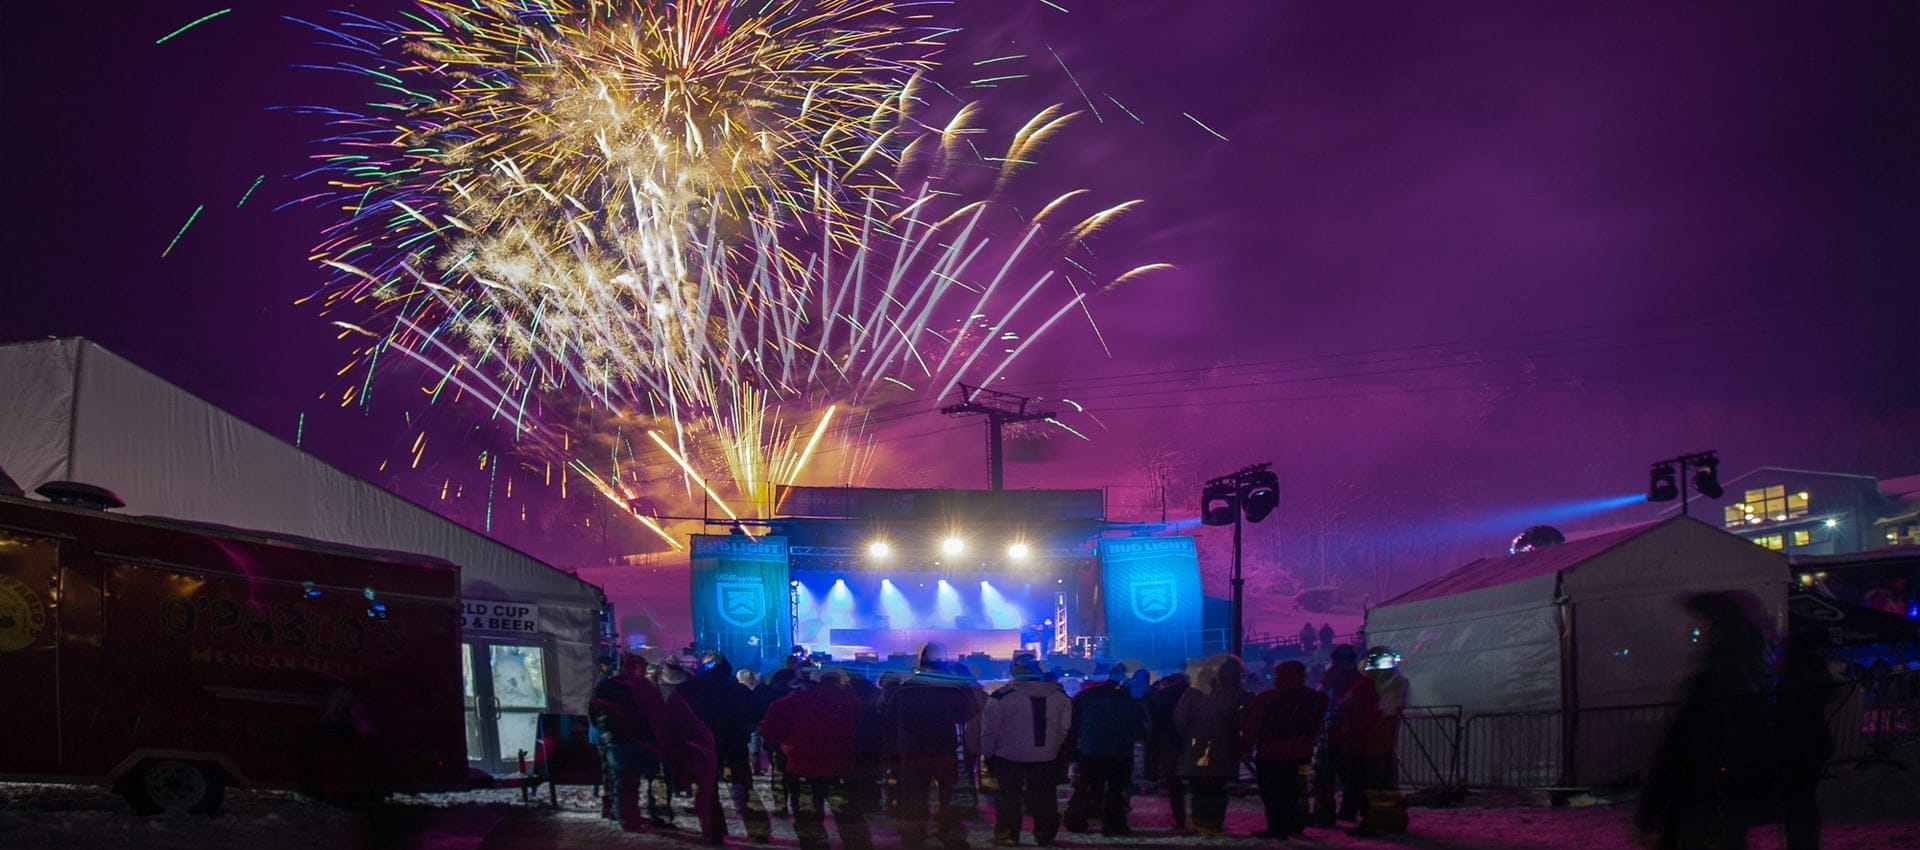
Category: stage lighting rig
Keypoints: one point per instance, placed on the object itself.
(1251, 493)
(953, 547)
(1018, 552)
(1665, 485)
(879, 549)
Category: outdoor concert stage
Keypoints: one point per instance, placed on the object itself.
(871, 576)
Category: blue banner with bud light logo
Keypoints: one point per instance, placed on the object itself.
(741, 601)
(1152, 591)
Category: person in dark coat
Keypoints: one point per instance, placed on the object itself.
(1306, 638)
(1210, 718)
(774, 686)
(1326, 634)
(687, 749)
(1714, 774)
(1805, 700)
(923, 717)
(816, 727)
(869, 747)
(621, 709)
(1164, 743)
(731, 710)
(1343, 672)
(1282, 728)
(1106, 722)
(1022, 730)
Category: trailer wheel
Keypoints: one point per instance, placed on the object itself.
(175, 787)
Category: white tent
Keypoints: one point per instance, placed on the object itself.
(72, 410)
(1593, 629)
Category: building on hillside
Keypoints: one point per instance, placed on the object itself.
(1806, 512)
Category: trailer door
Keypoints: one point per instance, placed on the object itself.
(506, 690)
(30, 701)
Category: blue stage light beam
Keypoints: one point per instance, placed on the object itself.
(838, 612)
(1001, 614)
(894, 604)
(947, 606)
(1518, 519)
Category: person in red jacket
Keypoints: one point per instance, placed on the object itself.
(923, 718)
(1282, 729)
(1369, 729)
(687, 749)
(814, 728)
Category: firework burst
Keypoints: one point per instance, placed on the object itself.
(723, 220)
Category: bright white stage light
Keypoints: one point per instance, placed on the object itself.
(879, 549)
(952, 546)
(1018, 551)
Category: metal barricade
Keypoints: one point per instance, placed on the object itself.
(1427, 755)
(1519, 749)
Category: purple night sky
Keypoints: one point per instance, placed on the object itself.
(1452, 260)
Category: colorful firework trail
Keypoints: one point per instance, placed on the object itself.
(717, 218)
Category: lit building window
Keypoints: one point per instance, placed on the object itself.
(1802, 537)
(1771, 541)
(1767, 504)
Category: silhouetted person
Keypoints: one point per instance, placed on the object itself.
(1370, 730)
(1106, 722)
(1022, 729)
(1801, 707)
(1282, 727)
(729, 708)
(622, 709)
(1326, 634)
(1343, 672)
(816, 727)
(1306, 639)
(1715, 772)
(1210, 718)
(1164, 743)
(687, 749)
(923, 717)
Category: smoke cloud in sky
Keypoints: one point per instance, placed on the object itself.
(1448, 262)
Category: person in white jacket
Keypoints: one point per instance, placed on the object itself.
(1024, 725)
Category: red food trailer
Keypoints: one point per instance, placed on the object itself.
(170, 660)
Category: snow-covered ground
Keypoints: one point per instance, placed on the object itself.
(1873, 809)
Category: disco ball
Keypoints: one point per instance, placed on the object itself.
(1537, 537)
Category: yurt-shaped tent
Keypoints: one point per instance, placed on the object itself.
(1564, 659)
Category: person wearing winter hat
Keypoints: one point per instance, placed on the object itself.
(1282, 728)
(922, 718)
(1106, 721)
(1331, 766)
(1211, 716)
(815, 728)
(1023, 727)
(1368, 731)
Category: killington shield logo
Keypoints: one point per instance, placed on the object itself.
(1153, 601)
(743, 604)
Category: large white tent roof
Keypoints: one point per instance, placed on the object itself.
(72, 410)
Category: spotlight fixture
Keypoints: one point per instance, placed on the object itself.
(953, 547)
(1017, 552)
(1664, 484)
(1706, 476)
(879, 549)
(1661, 486)
(1219, 504)
(1260, 494)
